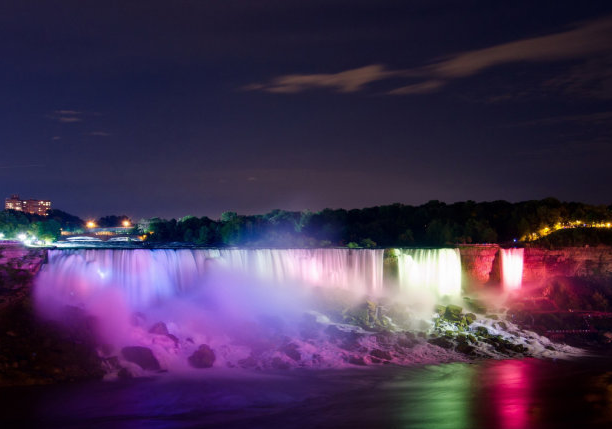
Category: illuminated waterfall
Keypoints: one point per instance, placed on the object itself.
(359, 270)
(146, 276)
(512, 268)
(437, 271)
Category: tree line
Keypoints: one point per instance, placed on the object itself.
(432, 224)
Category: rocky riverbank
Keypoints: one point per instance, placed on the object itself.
(35, 351)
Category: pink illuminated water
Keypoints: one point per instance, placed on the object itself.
(512, 268)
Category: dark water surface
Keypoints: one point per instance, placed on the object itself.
(509, 394)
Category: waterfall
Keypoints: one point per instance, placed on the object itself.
(146, 276)
(512, 268)
(358, 270)
(437, 271)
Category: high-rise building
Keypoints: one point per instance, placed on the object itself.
(38, 207)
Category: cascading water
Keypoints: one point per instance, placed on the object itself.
(437, 271)
(512, 268)
(146, 276)
(360, 270)
(232, 300)
(187, 309)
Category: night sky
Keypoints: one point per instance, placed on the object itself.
(178, 107)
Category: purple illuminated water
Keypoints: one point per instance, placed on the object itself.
(508, 394)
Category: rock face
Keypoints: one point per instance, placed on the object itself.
(477, 264)
(480, 264)
(141, 356)
(32, 350)
(203, 357)
(586, 262)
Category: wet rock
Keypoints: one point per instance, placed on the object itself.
(482, 331)
(291, 350)
(439, 309)
(441, 342)
(465, 348)
(111, 363)
(406, 342)
(385, 338)
(357, 360)
(248, 363)
(203, 357)
(159, 328)
(453, 313)
(173, 338)
(470, 318)
(124, 374)
(359, 315)
(348, 340)
(463, 345)
(334, 332)
(278, 363)
(141, 356)
(381, 354)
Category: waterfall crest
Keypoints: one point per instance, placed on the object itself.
(145, 276)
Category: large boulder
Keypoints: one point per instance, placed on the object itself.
(381, 354)
(159, 328)
(203, 357)
(291, 350)
(453, 313)
(141, 356)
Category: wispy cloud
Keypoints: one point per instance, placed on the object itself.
(68, 119)
(346, 81)
(585, 41)
(67, 116)
(68, 112)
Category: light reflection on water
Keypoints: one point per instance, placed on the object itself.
(437, 396)
(510, 394)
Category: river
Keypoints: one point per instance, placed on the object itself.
(504, 394)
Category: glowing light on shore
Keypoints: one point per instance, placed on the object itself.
(512, 268)
(126, 223)
(90, 224)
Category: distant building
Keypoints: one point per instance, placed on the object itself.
(38, 207)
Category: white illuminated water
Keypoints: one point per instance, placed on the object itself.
(512, 268)
(437, 271)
